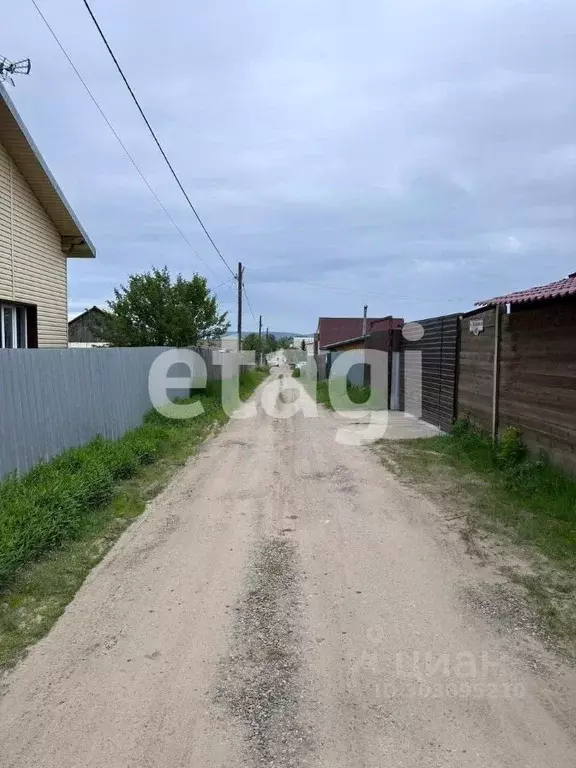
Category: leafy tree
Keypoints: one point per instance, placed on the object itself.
(156, 310)
(271, 344)
(252, 342)
(303, 345)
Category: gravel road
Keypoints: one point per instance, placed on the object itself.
(287, 602)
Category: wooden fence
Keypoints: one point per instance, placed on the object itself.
(536, 375)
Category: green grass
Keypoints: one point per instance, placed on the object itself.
(533, 500)
(60, 519)
(505, 493)
(343, 392)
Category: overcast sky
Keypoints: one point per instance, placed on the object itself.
(413, 155)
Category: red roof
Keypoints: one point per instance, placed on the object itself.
(386, 324)
(565, 287)
(334, 329)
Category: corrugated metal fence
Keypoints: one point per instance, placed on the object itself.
(55, 399)
(438, 346)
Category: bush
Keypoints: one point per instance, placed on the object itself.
(461, 428)
(296, 373)
(511, 448)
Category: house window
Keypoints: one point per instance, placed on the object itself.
(13, 326)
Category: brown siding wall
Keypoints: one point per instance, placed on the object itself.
(537, 377)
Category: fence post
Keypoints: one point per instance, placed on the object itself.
(496, 378)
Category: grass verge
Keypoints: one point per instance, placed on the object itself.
(343, 396)
(61, 518)
(503, 496)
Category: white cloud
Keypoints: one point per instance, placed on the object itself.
(412, 151)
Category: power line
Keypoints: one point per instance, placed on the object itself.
(158, 144)
(248, 302)
(126, 151)
(226, 282)
(380, 294)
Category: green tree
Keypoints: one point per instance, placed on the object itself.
(156, 310)
(271, 344)
(252, 342)
(303, 345)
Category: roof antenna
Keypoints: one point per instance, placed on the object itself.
(9, 68)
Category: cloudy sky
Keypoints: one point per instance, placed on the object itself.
(413, 155)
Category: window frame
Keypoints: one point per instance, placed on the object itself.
(18, 311)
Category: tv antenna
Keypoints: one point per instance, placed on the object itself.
(9, 68)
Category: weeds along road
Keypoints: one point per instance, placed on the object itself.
(286, 602)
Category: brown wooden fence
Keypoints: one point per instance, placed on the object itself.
(476, 367)
(537, 375)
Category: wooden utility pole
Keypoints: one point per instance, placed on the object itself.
(239, 306)
(260, 341)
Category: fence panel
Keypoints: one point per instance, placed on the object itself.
(54, 399)
(538, 378)
(437, 380)
(476, 367)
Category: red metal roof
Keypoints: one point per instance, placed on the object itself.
(334, 329)
(565, 287)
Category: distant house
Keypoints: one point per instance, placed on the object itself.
(335, 330)
(84, 330)
(38, 234)
(224, 344)
(308, 342)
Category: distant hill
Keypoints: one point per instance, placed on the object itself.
(285, 334)
(277, 334)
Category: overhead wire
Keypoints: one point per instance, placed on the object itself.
(248, 303)
(119, 140)
(370, 293)
(155, 137)
(226, 282)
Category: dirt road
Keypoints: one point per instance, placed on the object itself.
(286, 602)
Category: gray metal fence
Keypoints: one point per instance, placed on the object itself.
(53, 399)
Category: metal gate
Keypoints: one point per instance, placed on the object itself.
(433, 384)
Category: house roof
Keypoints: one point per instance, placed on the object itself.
(94, 309)
(334, 329)
(27, 158)
(564, 287)
(343, 343)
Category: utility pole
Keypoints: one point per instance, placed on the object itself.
(260, 341)
(364, 320)
(239, 306)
